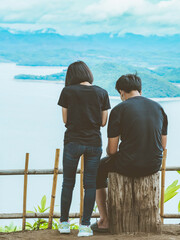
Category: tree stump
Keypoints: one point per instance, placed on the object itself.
(133, 204)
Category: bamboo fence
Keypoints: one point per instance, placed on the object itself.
(163, 170)
(57, 171)
(25, 191)
(54, 188)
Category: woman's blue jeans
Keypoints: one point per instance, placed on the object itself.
(71, 156)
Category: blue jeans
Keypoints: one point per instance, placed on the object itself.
(71, 155)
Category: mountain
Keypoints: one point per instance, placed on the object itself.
(155, 58)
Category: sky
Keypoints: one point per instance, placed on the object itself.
(78, 17)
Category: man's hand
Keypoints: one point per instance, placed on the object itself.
(112, 147)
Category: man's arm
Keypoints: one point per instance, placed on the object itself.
(64, 114)
(164, 141)
(104, 118)
(112, 146)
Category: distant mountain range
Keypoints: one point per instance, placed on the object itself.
(155, 58)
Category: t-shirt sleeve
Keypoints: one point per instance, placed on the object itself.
(106, 104)
(165, 123)
(63, 99)
(114, 124)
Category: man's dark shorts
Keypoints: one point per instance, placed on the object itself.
(107, 164)
(113, 164)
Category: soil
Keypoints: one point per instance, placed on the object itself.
(169, 232)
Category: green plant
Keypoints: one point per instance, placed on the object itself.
(41, 223)
(171, 191)
(10, 228)
(73, 225)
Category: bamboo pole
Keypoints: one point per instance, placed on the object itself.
(25, 192)
(60, 171)
(57, 215)
(81, 188)
(163, 184)
(42, 215)
(34, 172)
(56, 164)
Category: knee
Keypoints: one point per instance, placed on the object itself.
(68, 183)
(89, 184)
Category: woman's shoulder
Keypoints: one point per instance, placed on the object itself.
(100, 90)
(67, 89)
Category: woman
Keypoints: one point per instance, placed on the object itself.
(84, 110)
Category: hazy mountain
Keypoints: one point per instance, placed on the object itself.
(155, 58)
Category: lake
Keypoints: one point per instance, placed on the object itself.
(31, 122)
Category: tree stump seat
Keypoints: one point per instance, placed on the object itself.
(133, 204)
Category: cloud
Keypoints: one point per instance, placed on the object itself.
(76, 17)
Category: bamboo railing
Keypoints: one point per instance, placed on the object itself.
(60, 171)
(57, 171)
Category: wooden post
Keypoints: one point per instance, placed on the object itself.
(133, 204)
(81, 188)
(51, 211)
(25, 191)
(163, 185)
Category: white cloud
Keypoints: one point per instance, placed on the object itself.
(91, 16)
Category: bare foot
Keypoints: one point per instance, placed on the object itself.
(103, 223)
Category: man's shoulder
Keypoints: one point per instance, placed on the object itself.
(151, 101)
(129, 103)
(142, 99)
(119, 107)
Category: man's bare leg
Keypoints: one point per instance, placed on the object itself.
(101, 197)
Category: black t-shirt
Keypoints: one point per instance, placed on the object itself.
(140, 123)
(84, 113)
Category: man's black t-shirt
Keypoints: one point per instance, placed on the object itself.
(140, 123)
(84, 113)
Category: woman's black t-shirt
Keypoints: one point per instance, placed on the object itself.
(84, 113)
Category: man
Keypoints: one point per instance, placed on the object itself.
(140, 125)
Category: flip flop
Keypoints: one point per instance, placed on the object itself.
(95, 228)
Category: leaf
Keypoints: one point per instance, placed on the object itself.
(178, 172)
(40, 210)
(43, 202)
(30, 212)
(46, 209)
(35, 209)
(28, 225)
(169, 196)
(179, 207)
(171, 186)
(173, 189)
(57, 220)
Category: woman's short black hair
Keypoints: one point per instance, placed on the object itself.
(78, 72)
(128, 83)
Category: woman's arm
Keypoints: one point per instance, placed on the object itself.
(64, 114)
(164, 141)
(104, 117)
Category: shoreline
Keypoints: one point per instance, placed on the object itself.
(158, 99)
(163, 99)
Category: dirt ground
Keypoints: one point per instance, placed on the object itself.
(170, 232)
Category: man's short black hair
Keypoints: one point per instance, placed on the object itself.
(78, 72)
(128, 83)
